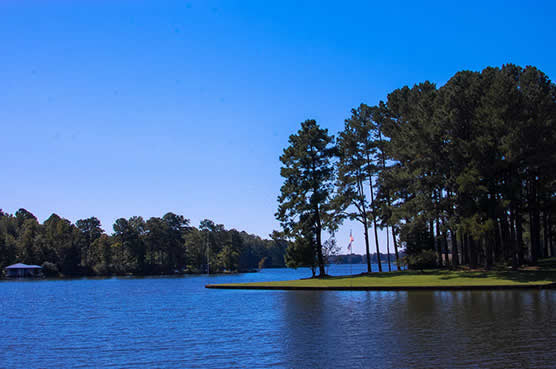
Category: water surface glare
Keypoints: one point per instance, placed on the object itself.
(174, 322)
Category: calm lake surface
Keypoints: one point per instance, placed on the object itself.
(174, 322)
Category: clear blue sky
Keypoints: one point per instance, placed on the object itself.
(120, 108)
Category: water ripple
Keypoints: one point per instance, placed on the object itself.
(175, 322)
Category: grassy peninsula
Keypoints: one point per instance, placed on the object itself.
(542, 277)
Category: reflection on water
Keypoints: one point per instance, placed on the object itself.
(175, 322)
(420, 329)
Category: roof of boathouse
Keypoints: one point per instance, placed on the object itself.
(23, 266)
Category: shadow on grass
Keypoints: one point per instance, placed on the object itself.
(374, 274)
(548, 263)
(521, 276)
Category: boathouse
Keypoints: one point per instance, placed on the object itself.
(20, 270)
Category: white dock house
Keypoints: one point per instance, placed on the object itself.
(20, 270)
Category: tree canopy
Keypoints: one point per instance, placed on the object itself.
(472, 166)
(461, 174)
(305, 208)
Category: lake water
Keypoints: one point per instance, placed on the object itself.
(174, 322)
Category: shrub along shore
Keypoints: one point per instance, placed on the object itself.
(417, 280)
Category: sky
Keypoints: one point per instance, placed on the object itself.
(114, 108)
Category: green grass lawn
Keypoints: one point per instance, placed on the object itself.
(416, 279)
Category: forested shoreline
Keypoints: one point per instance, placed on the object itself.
(462, 174)
(165, 245)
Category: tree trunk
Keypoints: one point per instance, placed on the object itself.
(322, 272)
(365, 223)
(366, 231)
(491, 237)
(465, 249)
(439, 244)
(374, 224)
(506, 236)
(534, 221)
(519, 237)
(435, 244)
(497, 241)
(472, 251)
(513, 237)
(388, 249)
(388, 199)
(546, 249)
(396, 246)
(320, 258)
(462, 247)
(489, 250)
(550, 236)
(455, 253)
(373, 213)
(446, 253)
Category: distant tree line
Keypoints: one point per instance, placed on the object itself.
(156, 246)
(464, 174)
